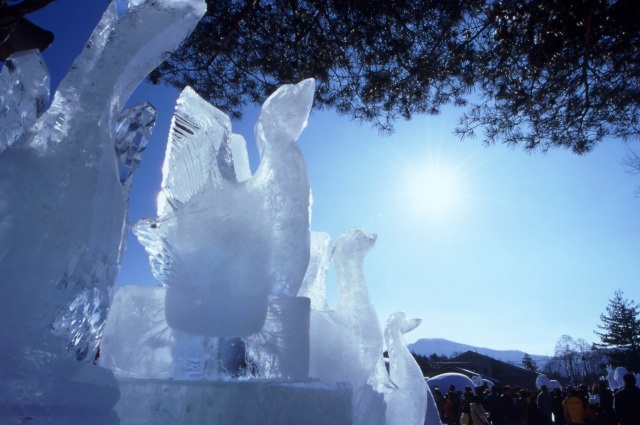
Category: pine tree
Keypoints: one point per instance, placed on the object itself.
(528, 363)
(620, 335)
(545, 74)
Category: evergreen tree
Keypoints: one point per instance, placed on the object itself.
(529, 364)
(620, 336)
(546, 73)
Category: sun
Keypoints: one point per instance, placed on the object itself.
(434, 191)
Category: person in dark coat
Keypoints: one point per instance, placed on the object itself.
(492, 407)
(626, 401)
(606, 415)
(508, 407)
(558, 411)
(545, 406)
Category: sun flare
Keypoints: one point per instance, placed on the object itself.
(435, 192)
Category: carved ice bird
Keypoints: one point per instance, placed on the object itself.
(223, 246)
(406, 404)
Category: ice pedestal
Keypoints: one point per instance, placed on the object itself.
(268, 402)
(64, 392)
(151, 360)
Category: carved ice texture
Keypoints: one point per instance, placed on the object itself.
(132, 133)
(351, 328)
(63, 212)
(137, 342)
(406, 404)
(224, 241)
(24, 94)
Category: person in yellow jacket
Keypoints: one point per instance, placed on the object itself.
(573, 408)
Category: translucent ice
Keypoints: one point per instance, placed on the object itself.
(313, 285)
(171, 402)
(137, 341)
(351, 327)
(220, 244)
(63, 209)
(406, 404)
(613, 384)
(24, 94)
(281, 348)
(132, 133)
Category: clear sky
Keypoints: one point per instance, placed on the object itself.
(490, 246)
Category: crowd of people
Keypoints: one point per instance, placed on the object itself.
(580, 405)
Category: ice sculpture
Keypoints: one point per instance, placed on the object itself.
(137, 342)
(444, 380)
(351, 327)
(24, 94)
(611, 378)
(618, 376)
(132, 133)
(63, 213)
(222, 245)
(406, 404)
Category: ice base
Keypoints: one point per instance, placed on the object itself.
(66, 393)
(264, 402)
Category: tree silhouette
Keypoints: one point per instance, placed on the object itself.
(528, 363)
(558, 73)
(547, 73)
(621, 332)
(376, 60)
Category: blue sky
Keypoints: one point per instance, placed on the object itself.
(517, 251)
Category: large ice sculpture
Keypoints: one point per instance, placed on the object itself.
(222, 245)
(63, 213)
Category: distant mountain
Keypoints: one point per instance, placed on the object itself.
(441, 346)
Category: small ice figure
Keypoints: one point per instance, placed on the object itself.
(618, 376)
(223, 242)
(406, 404)
(613, 384)
(543, 380)
(352, 327)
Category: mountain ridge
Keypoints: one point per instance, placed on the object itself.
(445, 347)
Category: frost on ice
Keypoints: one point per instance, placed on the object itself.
(63, 204)
(223, 243)
(24, 94)
(243, 292)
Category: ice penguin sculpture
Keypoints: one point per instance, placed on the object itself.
(63, 211)
(220, 245)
